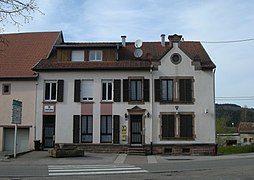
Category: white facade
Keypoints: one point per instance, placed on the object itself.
(202, 108)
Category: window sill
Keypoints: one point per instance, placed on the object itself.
(178, 139)
(87, 102)
(48, 101)
(106, 102)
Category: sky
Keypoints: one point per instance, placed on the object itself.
(196, 20)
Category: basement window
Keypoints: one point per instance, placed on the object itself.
(6, 89)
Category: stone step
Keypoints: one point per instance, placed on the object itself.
(136, 151)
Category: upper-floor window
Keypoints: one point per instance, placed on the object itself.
(136, 89)
(77, 55)
(107, 90)
(50, 90)
(87, 90)
(54, 90)
(95, 55)
(174, 90)
(6, 89)
(167, 90)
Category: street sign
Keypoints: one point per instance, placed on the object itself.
(16, 112)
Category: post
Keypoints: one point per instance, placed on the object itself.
(15, 141)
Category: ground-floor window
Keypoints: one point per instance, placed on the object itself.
(87, 129)
(177, 126)
(106, 129)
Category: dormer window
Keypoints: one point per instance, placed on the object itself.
(95, 55)
(77, 55)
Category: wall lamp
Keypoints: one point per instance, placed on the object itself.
(148, 115)
(126, 116)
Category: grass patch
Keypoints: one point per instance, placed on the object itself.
(235, 149)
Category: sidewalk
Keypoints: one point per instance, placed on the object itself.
(42, 158)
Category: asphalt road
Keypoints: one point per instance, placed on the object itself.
(102, 166)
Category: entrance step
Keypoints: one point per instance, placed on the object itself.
(137, 151)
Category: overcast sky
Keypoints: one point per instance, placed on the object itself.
(202, 20)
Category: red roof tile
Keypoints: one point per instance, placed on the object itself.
(152, 51)
(23, 51)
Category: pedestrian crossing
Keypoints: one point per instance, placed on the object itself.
(68, 170)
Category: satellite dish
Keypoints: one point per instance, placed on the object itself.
(138, 53)
(138, 43)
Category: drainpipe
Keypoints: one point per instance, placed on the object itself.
(216, 146)
(151, 109)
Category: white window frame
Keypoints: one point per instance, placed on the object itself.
(87, 90)
(107, 90)
(96, 52)
(77, 55)
(50, 90)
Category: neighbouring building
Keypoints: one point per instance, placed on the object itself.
(244, 136)
(110, 96)
(18, 54)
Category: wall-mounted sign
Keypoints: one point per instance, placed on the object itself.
(16, 112)
(49, 109)
(124, 133)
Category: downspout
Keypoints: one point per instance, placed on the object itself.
(151, 109)
(216, 146)
(35, 107)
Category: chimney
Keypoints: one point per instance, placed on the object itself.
(174, 39)
(123, 41)
(163, 39)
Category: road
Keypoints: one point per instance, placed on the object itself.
(133, 167)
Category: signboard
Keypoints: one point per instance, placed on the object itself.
(49, 109)
(16, 112)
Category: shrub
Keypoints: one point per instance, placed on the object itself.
(235, 149)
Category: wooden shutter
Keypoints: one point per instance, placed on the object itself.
(116, 129)
(117, 90)
(60, 90)
(76, 126)
(186, 127)
(146, 90)
(77, 83)
(185, 86)
(157, 90)
(125, 90)
(66, 55)
(168, 126)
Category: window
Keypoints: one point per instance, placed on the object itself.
(167, 90)
(186, 126)
(6, 89)
(107, 91)
(106, 129)
(168, 126)
(87, 129)
(95, 55)
(77, 55)
(136, 90)
(176, 58)
(174, 90)
(87, 90)
(50, 90)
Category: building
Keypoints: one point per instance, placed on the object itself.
(110, 96)
(18, 54)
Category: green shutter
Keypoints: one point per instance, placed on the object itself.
(60, 90)
(77, 84)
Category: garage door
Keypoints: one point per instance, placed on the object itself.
(22, 140)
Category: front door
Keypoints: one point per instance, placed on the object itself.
(48, 131)
(136, 129)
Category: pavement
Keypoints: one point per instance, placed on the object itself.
(43, 158)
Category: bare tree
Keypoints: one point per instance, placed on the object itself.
(16, 12)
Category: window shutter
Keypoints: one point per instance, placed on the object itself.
(76, 125)
(77, 83)
(185, 86)
(117, 90)
(125, 90)
(66, 55)
(182, 89)
(189, 90)
(157, 90)
(146, 90)
(60, 90)
(116, 129)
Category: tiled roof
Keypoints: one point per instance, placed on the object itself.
(246, 127)
(152, 52)
(23, 51)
